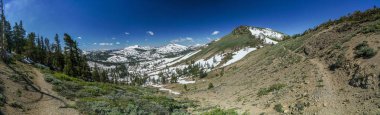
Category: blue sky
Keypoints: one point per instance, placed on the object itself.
(110, 24)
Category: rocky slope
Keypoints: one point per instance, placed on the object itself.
(330, 69)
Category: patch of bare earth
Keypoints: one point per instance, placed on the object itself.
(22, 98)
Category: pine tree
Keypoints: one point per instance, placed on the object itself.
(95, 73)
(75, 63)
(162, 77)
(18, 38)
(8, 36)
(58, 60)
(173, 78)
(30, 48)
(48, 53)
(70, 60)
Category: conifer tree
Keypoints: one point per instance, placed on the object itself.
(30, 48)
(58, 60)
(95, 73)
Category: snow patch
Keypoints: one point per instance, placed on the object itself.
(161, 88)
(184, 81)
(239, 55)
(117, 59)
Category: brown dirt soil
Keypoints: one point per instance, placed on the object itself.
(32, 101)
(310, 86)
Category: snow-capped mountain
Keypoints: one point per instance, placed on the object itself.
(171, 48)
(173, 58)
(140, 53)
(266, 32)
(268, 35)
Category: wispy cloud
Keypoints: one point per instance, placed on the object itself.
(209, 39)
(16, 5)
(151, 33)
(117, 43)
(95, 43)
(106, 44)
(127, 33)
(113, 38)
(187, 39)
(215, 33)
(80, 38)
(15, 8)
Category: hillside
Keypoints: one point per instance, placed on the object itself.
(27, 89)
(24, 91)
(331, 69)
(242, 36)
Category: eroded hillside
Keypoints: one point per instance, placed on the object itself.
(331, 69)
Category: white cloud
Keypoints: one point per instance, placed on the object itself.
(187, 39)
(215, 33)
(16, 5)
(80, 38)
(106, 44)
(151, 33)
(113, 38)
(126, 33)
(117, 43)
(15, 8)
(209, 39)
(95, 43)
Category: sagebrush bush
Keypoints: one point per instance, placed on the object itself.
(266, 91)
(112, 99)
(210, 86)
(279, 108)
(219, 111)
(363, 50)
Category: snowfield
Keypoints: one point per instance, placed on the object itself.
(141, 53)
(152, 61)
(266, 34)
(171, 48)
(161, 88)
(117, 59)
(184, 81)
(239, 55)
(92, 64)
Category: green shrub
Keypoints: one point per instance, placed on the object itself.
(185, 87)
(16, 105)
(19, 93)
(51, 79)
(115, 99)
(279, 108)
(363, 50)
(219, 111)
(210, 86)
(266, 91)
(371, 29)
(2, 100)
(338, 64)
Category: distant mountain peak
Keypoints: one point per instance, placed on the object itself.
(259, 32)
(172, 47)
(266, 33)
(132, 47)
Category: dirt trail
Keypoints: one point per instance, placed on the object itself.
(34, 94)
(49, 105)
(327, 94)
(292, 52)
